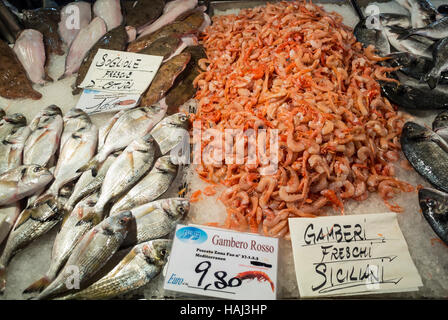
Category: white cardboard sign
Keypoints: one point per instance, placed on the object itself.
(352, 254)
(221, 263)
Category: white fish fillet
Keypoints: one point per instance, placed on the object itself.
(74, 17)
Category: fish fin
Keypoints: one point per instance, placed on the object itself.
(431, 79)
(90, 217)
(38, 286)
(125, 261)
(26, 214)
(93, 165)
(2, 279)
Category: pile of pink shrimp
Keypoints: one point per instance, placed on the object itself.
(293, 67)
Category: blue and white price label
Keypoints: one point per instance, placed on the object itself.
(221, 263)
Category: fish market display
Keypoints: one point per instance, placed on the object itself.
(14, 83)
(436, 30)
(422, 11)
(72, 231)
(9, 124)
(170, 132)
(45, 20)
(92, 252)
(142, 12)
(131, 125)
(43, 142)
(422, 147)
(81, 45)
(69, 26)
(22, 181)
(171, 11)
(74, 120)
(157, 219)
(152, 186)
(142, 264)
(434, 205)
(11, 149)
(440, 58)
(165, 78)
(30, 51)
(127, 169)
(109, 11)
(115, 39)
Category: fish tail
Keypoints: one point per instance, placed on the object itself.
(2, 279)
(38, 286)
(93, 165)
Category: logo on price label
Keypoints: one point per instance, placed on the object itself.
(222, 263)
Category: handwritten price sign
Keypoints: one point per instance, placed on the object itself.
(356, 254)
(221, 263)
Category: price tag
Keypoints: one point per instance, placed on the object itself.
(221, 263)
(121, 72)
(93, 101)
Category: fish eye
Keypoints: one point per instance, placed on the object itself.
(181, 209)
(431, 203)
(122, 221)
(37, 169)
(163, 252)
(183, 118)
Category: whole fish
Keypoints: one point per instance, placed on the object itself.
(31, 224)
(171, 11)
(440, 124)
(434, 205)
(11, 149)
(88, 184)
(43, 142)
(45, 20)
(30, 50)
(74, 120)
(157, 219)
(74, 17)
(75, 153)
(171, 131)
(440, 58)
(436, 30)
(67, 238)
(109, 11)
(14, 82)
(9, 124)
(104, 130)
(136, 160)
(142, 264)
(164, 79)
(140, 13)
(414, 97)
(92, 252)
(8, 216)
(183, 89)
(186, 41)
(22, 181)
(416, 46)
(421, 146)
(189, 25)
(152, 186)
(86, 39)
(422, 12)
(115, 39)
(132, 124)
(163, 47)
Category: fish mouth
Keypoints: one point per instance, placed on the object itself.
(433, 201)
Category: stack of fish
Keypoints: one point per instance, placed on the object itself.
(105, 187)
(417, 44)
(168, 29)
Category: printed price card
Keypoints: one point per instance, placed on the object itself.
(354, 254)
(221, 263)
(121, 71)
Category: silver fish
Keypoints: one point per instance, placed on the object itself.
(11, 149)
(88, 184)
(67, 238)
(440, 124)
(75, 153)
(132, 124)
(10, 124)
(436, 30)
(416, 46)
(104, 130)
(422, 12)
(171, 131)
(44, 139)
(31, 224)
(157, 219)
(136, 160)
(74, 120)
(92, 252)
(22, 181)
(8, 216)
(440, 59)
(152, 186)
(434, 205)
(142, 264)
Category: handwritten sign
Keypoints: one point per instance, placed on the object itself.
(121, 71)
(221, 263)
(93, 101)
(355, 254)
